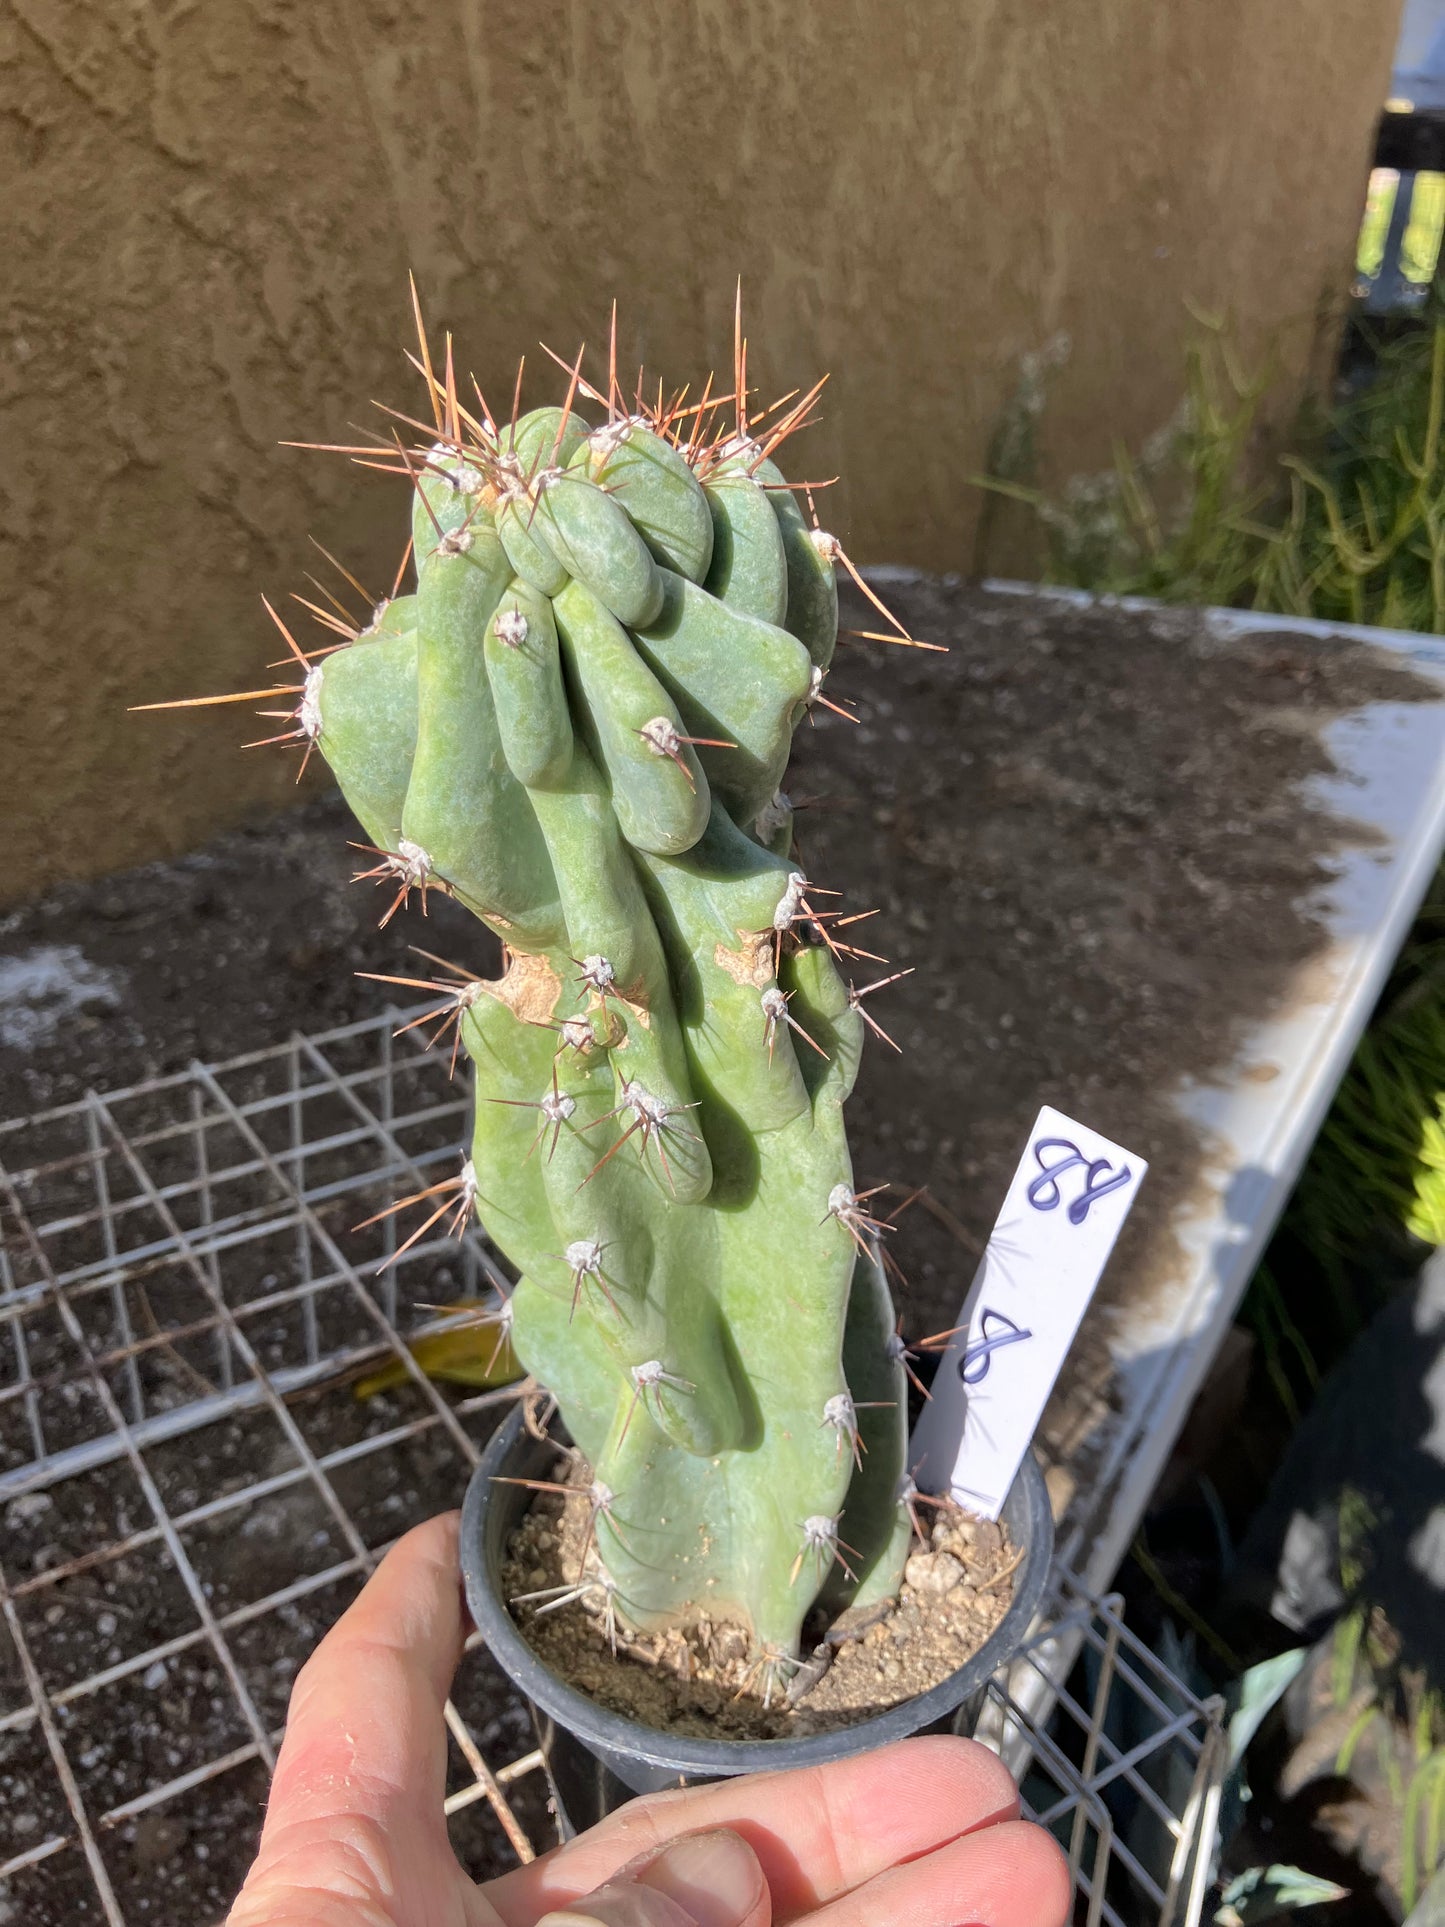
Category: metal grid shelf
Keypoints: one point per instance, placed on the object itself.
(190, 1493)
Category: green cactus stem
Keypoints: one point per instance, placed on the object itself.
(577, 726)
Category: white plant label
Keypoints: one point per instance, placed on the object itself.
(1065, 1207)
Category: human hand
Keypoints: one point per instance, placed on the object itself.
(923, 1834)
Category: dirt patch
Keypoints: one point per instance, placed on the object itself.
(705, 1680)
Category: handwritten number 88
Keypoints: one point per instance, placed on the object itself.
(1100, 1178)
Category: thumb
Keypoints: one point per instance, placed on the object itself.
(701, 1880)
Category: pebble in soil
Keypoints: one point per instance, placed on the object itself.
(704, 1680)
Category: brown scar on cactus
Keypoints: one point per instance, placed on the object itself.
(529, 987)
(752, 963)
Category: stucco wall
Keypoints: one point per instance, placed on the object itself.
(217, 202)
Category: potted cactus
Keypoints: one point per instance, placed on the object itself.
(577, 727)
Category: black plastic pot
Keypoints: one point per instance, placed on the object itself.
(597, 1759)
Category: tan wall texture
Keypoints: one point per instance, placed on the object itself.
(208, 207)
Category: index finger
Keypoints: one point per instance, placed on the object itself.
(819, 1832)
(355, 1813)
(364, 1729)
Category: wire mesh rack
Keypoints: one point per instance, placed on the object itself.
(191, 1492)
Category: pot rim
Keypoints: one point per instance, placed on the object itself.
(1026, 1511)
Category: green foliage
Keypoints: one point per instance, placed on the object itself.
(1404, 1718)
(1351, 531)
(1176, 519)
(1420, 244)
(1376, 1176)
(578, 730)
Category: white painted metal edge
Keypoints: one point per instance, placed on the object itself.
(1262, 1121)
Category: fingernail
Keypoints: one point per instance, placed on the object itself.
(715, 1877)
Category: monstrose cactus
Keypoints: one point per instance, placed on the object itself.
(577, 726)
